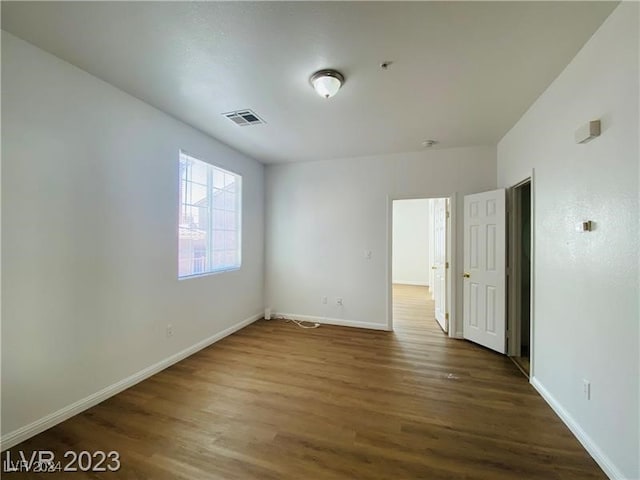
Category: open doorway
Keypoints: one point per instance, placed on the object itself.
(520, 261)
(420, 264)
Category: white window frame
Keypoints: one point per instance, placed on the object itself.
(210, 269)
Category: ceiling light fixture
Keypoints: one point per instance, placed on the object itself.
(326, 83)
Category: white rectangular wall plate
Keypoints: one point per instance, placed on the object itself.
(588, 131)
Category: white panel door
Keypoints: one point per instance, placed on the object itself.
(439, 260)
(484, 269)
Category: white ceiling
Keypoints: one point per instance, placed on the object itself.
(462, 72)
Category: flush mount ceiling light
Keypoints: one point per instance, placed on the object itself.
(326, 83)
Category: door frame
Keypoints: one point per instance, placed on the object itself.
(513, 272)
(454, 328)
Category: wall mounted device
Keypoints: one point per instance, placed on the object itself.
(588, 131)
(585, 226)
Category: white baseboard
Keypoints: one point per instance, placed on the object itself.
(333, 321)
(410, 282)
(44, 423)
(587, 442)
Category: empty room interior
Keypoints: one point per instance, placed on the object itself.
(320, 240)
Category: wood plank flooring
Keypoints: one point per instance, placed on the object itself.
(274, 401)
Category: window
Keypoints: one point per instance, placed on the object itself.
(209, 226)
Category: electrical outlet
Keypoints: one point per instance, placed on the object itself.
(169, 330)
(339, 301)
(324, 300)
(586, 389)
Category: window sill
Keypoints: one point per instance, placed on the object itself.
(207, 274)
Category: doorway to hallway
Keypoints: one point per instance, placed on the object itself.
(420, 263)
(520, 284)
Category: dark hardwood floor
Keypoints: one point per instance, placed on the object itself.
(274, 401)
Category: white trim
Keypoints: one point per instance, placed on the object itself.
(409, 282)
(389, 264)
(455, 322)
(587, 442)
(532, 272)
(331, 321)
(48, 421)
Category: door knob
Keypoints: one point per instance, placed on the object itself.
(466, 275)
(433, 267)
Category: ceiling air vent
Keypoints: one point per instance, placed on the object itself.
(244, 118)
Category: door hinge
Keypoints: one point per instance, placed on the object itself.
(447, 214)
(446, 316)
(446, 264)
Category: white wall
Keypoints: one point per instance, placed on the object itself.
(322, 216)
(89, 237)
(411, 263)
(586, 284)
